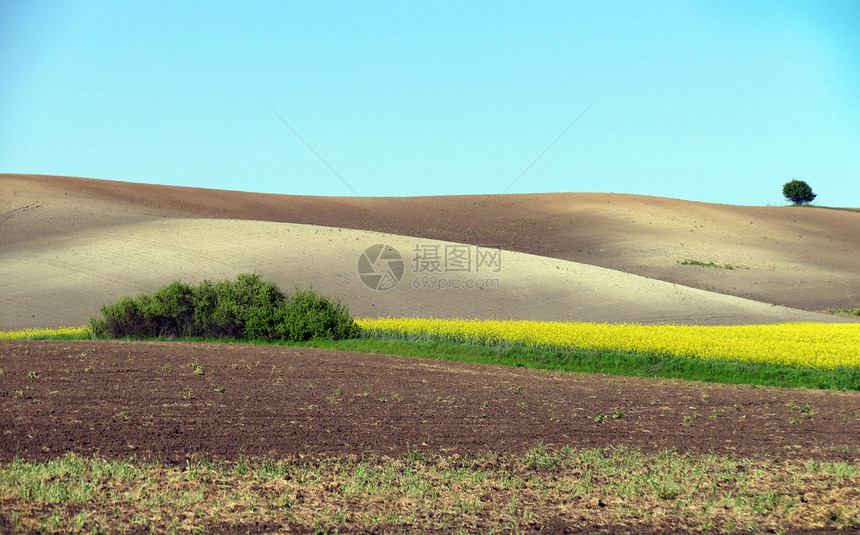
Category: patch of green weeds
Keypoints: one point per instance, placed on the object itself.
(844, 311)
(805, 412)
(689, 262)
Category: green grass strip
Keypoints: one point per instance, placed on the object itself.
(584, 361)
(607, 362)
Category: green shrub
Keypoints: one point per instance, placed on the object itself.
(171, 310)
(312, 316)
(121, 317)
(248, 308)
(212, 317)
(252, 304)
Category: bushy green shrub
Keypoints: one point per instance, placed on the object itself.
(248, 307)
(312, 316)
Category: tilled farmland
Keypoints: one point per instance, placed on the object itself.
(176, 403)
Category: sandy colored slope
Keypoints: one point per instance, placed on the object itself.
(69, 244)
(63, 280)
(805, 258)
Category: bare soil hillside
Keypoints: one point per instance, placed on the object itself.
(804, 258)
(63, 280)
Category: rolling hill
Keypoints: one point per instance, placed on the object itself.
(68, 245)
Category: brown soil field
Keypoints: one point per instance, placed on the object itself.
(144, 398)
(147, 400)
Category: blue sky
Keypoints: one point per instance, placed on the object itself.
(710, 101)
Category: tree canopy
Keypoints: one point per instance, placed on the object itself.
(798, 192)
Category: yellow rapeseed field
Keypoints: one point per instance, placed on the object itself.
(805, 345)
(73, 332)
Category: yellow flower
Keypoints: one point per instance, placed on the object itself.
(804, 345)
(24, 334)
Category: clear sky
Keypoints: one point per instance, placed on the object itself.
(716, 101)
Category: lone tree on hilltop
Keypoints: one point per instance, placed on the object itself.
(798, 192)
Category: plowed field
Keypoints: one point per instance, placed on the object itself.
(177, 403)
(151, 399)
